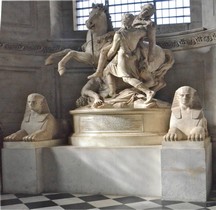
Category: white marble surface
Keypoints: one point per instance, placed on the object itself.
(113, 170)
(186, 171)
(174, 173)
(34, 144)
(119, 127)
(22, 170)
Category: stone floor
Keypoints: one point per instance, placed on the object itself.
(57, 201)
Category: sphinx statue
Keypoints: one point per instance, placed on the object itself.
(187, 120)
(38, 123)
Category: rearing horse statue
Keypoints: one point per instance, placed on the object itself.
(99, 34)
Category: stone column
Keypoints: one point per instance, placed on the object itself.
(56, 19)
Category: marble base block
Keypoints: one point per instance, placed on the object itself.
(22, 165)
(113, 170)
(83, 170)
(34, 144)
(22, 170)
(119, 127)
(186, 170)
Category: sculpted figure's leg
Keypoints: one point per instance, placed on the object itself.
(91, 89)
(111, 84)
(101, 63)
(81, 57)
(51, 58)
(140, 86)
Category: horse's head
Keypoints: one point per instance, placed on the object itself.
(98, 19)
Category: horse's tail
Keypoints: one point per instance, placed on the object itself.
(159, 74)
(53, 56)
(169, 61)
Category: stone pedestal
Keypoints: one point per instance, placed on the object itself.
(22, 170)
(119, 127)
(173, 170)
(107, 170)
(22, 166)
(33, 144)
(113, 170)
(186, 170)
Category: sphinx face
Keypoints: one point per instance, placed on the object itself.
(185, 97)
(35, 103)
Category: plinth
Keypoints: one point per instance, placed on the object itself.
(119, 127)
(186, 170)
(22, 165)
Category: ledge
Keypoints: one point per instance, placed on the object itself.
(175, 41)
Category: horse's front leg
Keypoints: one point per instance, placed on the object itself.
(81, 57)
(51, 58)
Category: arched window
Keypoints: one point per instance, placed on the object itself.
(167, 11)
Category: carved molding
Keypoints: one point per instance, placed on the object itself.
(38, 48)
(177, 42)
(188, 41)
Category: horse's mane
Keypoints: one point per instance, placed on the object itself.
(106, 11)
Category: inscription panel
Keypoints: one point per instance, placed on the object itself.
(110, 123)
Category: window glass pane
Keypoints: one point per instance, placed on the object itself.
(159, 13)
(165, 4)
(165, 20)
(79, 12)
(79, 5)
(137, 7)
(124, 8)
(111, 9)
(130, 10)
(172, 20)
(159, 21)
(179, 3)
(186, 3)
(79, 21)
(167, 11)
(179, 12)
(187, 19)
(187, 11)
(180, 20)
(118, 17)
(85, 4)
(158, 5)
(118, 9)
(85, 12)
(117, 25)
(172, 4)
(111, 2)
(122, 1)
(172, 12)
